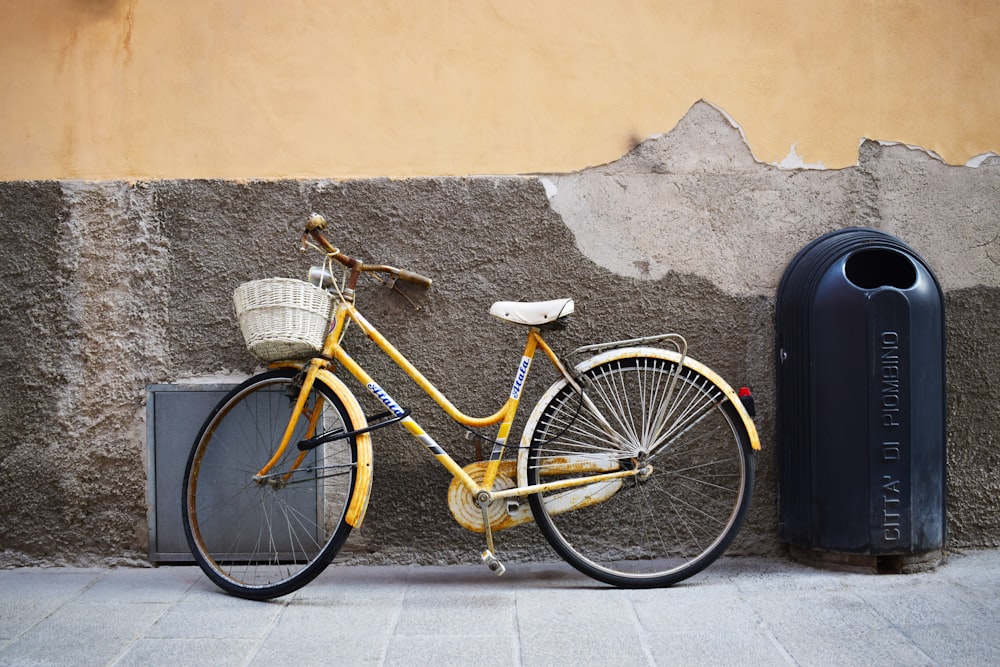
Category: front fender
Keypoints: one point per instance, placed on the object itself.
(363, 480)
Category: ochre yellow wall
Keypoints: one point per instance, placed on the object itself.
(325, 88)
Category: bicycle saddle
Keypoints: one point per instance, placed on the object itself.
(532, 313)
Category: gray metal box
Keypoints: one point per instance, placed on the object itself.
(174, 415)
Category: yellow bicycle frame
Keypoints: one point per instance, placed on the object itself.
(504, 416)
(316, 370)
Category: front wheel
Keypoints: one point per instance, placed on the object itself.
(664, 418)
(261, 538)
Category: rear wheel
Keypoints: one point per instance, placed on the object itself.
(265, 538)
(669, 421)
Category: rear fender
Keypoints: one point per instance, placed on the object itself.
(621, 353)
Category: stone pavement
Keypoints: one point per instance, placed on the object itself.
(740, 611)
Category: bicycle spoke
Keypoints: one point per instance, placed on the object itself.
(261, 538)
(677, 430)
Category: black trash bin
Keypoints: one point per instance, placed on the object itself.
(861, 404)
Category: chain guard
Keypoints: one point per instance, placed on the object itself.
(463, 504)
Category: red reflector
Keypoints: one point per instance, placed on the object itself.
(746, 398)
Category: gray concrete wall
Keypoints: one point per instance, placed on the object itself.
(110, 286)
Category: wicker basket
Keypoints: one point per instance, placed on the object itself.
(282, 318)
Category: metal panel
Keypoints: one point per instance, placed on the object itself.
(174, 415)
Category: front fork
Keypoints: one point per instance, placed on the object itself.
(310, 373)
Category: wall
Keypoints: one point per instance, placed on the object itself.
(122, 89)
(108, 286)
(153, 155)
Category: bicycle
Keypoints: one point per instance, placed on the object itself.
(637, 463)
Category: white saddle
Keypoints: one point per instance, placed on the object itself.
(531, 313)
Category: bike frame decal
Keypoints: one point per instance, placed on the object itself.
(379, 393)
(420, 434)
(408, 423)
(522, 373)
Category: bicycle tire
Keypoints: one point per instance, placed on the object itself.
(261, 540)
(655, 529)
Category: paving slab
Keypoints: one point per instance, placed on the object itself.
(738, 612)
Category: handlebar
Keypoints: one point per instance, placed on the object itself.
(314, 229)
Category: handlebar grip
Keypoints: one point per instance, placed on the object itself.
(411, 277)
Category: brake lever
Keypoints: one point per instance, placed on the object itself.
(403, 294)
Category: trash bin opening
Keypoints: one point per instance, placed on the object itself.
(880, 267)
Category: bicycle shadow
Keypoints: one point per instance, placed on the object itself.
(518, 575)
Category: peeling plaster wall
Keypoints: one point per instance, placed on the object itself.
(109, 286)
(235, 89)
(695, 201)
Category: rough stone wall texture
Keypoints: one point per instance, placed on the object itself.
(110, 286)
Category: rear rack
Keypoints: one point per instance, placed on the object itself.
(669, 340)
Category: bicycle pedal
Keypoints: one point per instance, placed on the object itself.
(493, 563)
